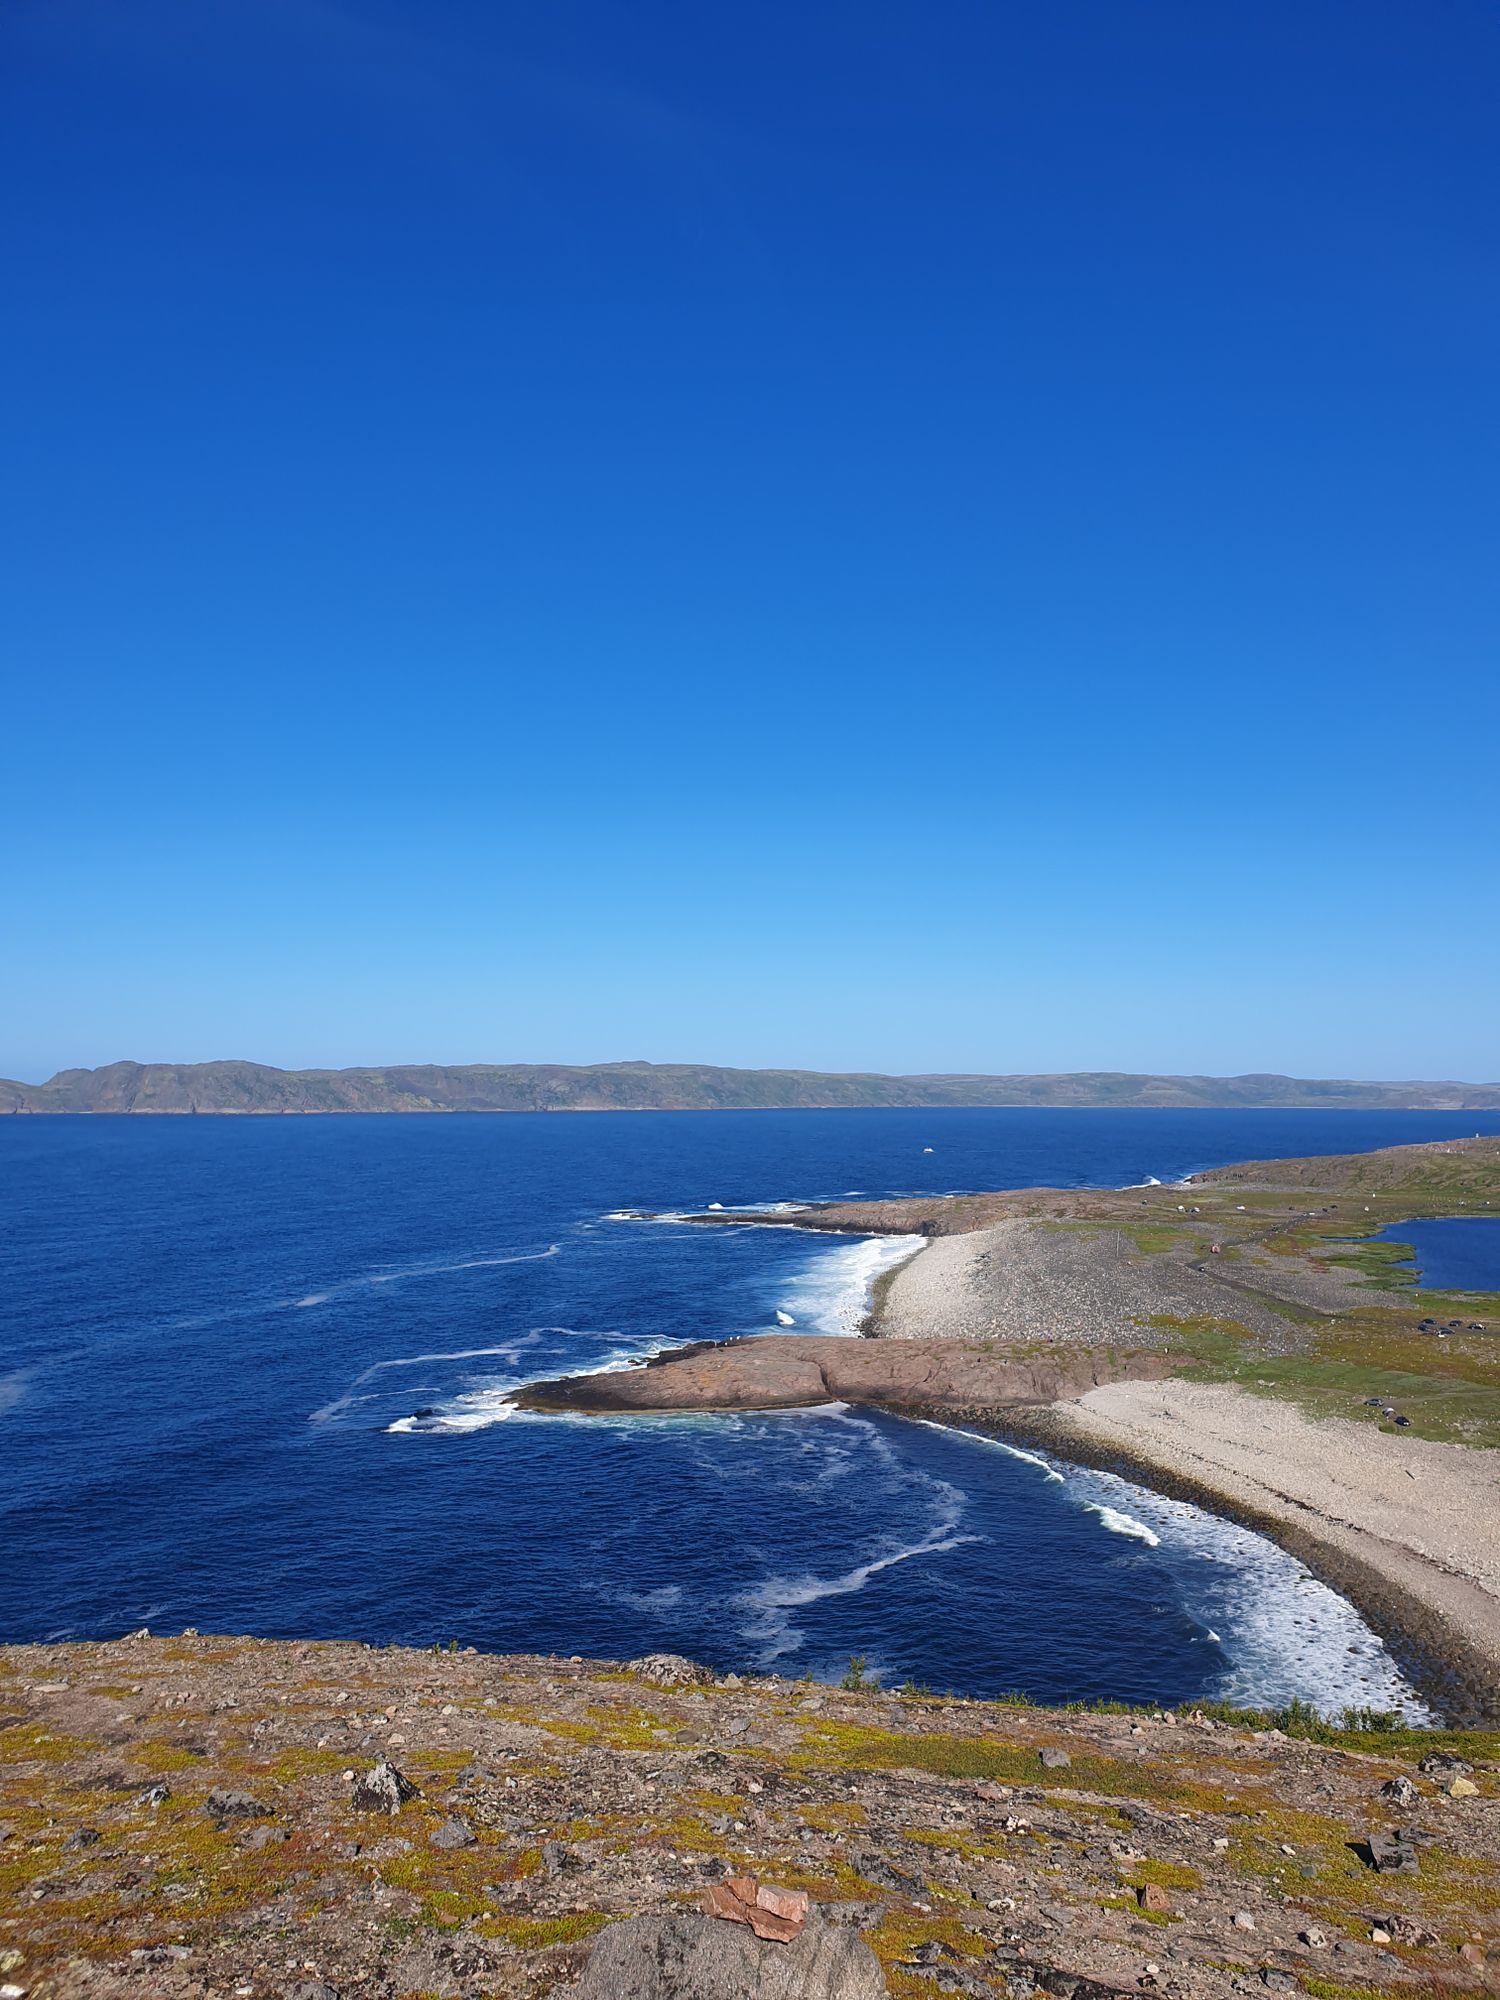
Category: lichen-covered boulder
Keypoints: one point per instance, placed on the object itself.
(691, 1957)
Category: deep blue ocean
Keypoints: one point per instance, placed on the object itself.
(251, 1373)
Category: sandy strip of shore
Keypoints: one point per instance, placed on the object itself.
(1405, 1528)
(1408, 1530)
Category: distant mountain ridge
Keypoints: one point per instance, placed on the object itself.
(256, 1089)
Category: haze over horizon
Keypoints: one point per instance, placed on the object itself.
(840, 538)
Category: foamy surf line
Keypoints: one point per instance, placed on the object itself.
(399, 1275)
(834, 1290)
(1284, 1635)
(493, 1403)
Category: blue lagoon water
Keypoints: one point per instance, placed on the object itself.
(252, 1376)
(1453, 1253)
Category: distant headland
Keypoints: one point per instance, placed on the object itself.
(257, 1089)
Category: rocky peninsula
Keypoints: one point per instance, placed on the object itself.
(1239, 1340)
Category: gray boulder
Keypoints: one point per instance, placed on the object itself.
(691, 1957)
(383, 1789)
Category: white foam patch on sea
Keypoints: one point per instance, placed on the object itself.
(850, 1448)
(1285, 1635)
(831, 1294)
(833, 1290)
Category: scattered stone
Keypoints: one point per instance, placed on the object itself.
(867, 1860)
(670, 1670)
(426, 1969)
(554, 1856)
(1313, 1938)
(687, 1957)
(261, 1837)
(1243, 1921)
(777, 1915)
(1400, 1791)
(1443, 1764)
(1378, 1935)
(311, 1989)
(1463, 1788)
(1473, 1954)
(1056, 1760)
(1152, 1896)
(454, 1833)
(1406, 1930)
(86, 1836)
(154, 1795)
(1277, 1980)
(222, 1805)
(382, 1789)
(1390, 1854)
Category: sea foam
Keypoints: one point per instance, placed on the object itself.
(1285, 1635)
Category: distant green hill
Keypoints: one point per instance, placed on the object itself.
(639, 1086)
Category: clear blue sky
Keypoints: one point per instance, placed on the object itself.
(861, 535)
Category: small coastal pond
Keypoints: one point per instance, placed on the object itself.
(1453, 1253)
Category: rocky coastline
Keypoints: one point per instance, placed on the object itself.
(1091, 1322)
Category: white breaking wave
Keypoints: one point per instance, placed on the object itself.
(509, 1350)
(1285, 1635)
(832, 1293)
(996, 1444)
(475, 1412)
(1125, 1524)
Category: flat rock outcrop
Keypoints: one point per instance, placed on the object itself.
(789, 1371)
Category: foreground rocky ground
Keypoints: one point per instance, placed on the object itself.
(196, 1816)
